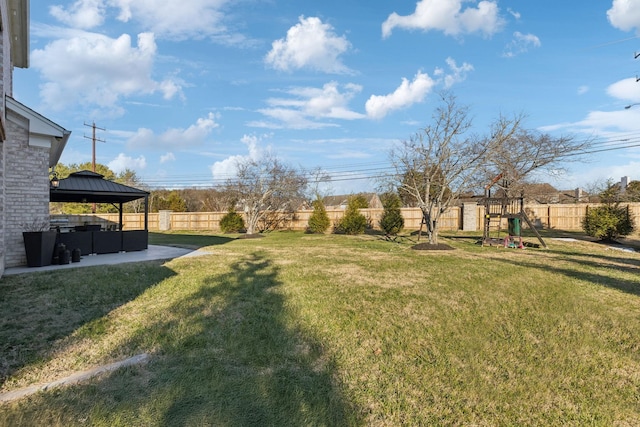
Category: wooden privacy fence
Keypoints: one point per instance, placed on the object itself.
(560, 217)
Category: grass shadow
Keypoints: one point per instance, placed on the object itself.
(630, 286)
(189, 240)
(263, 369)
(591, 259)
(39, 309)
(229, 353)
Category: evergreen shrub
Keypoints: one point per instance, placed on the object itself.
(353, 222)
(608, 222)
(319, 221)
(232, 222)
(391, 221)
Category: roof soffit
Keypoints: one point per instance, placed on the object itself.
(42, 131)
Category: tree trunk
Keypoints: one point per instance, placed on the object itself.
(252, 222)
(433, 232)
(431, 225)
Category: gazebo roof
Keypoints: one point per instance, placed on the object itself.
(90, 187)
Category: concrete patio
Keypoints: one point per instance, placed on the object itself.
(154, 252)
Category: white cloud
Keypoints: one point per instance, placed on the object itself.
(307, 106)
(122, 162)
(172, 19)
(616, 127)
(406, 94)
(586, 177)
(228, 168)
(583, 89)
(169, 157)
(608, 124)
(604, 124)
(179, 19)
(194, 135)
(625, 15)
(625, 90)
(513, 13)
(458, 74)
(521, 43)
(309, 44)
(83, 14)
(447, 16)
(92, 69)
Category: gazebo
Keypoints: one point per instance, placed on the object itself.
(90, 187)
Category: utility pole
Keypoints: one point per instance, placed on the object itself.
(93, 139)
(93, 157)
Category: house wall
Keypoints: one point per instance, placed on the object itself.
(2, 205)
(26, 188)
(5, 81)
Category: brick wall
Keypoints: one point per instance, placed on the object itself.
(26, 188)
(4, 80)
(2, 206)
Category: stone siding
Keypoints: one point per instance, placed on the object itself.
(2, 207)
(26, 188)
(5, 62)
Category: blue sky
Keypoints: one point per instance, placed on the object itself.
(185, 88)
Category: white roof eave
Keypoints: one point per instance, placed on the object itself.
(42, 131)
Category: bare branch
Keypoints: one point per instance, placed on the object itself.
(266, 186)
(442, 161)
(528, 151)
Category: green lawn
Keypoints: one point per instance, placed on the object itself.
(295, 329)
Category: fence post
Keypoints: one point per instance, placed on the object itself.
(164, 220)
(469, 217)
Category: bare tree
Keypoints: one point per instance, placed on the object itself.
(194, 199)
(442, 161)
(318, 178)
(528, 151)
(217, 200)
(264, 186)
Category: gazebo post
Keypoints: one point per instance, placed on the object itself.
(120, 212)
(146, 213)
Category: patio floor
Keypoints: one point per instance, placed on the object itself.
(154, 252)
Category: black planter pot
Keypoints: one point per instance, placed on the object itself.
(39, 246)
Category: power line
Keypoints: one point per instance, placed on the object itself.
(382, 169)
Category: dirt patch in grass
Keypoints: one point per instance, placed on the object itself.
(432, 247)
(251, 236)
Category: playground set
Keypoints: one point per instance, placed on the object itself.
(510, 208)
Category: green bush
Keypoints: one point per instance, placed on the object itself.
(391, 221)
(359, 201)
(319, 221)
(232, 222)
(608, 222)
(353, 222)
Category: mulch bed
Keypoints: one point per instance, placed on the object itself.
(431, 247)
